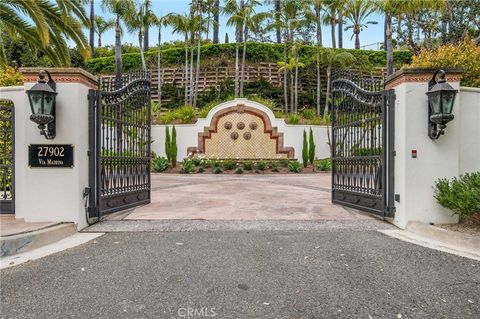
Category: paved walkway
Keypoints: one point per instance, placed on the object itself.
(244, 197)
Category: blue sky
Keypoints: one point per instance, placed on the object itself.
(373, 34)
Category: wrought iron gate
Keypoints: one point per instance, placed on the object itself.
(7, 161)
(119, 138)
(362, 143)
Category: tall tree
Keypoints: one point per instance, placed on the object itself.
(101, 26)
(234, 11)
(357, 12)
(181, 24)
(92, 27)
(341, 4)
(330, 18)
(252, 21)
(119, 8)
(216, 15)
(149, 19)
(332, 58)
(278, 30)
(46, 26)
(134, 20)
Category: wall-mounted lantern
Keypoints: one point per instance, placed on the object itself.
(42, 103)
(441, 97)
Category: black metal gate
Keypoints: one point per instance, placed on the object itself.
(362, 143)
(7, 157)
(119, 138)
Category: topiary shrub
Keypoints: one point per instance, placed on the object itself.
(239, 170)
(159, 164)
(464, 55)
(311, 148)
(461, 195)
(229, 164)
(173, 147)
(305, 150)
(168, 141)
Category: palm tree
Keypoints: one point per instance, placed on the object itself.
(148, 20)
(92, 27)
(340, 15)
(329, 17)
(181, 24)
(161, 21)
(287, 68)
(357, 11)
(101, 26)
(134, 20)
(216, 14)
(120, 8)
(332, 58)
(252, 22)
(318, 21)
(28, 20)
(235, 12)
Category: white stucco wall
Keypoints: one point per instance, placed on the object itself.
(51, 194)
(187, 134)
(415, 177)
(469, 119)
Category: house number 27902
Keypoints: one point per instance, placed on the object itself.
(51, 151)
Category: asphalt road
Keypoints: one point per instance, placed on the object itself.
(240, 274)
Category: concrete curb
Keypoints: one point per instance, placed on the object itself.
(445, 236)
(15, 244)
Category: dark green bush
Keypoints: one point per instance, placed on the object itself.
(294, 167)
(261, 165)
(187, 166)
(305, 150)
(239, 170)
(248, 165)
(325, 164)
(311, 148)
(217, 170)
(461, 195)
(159, 164)
(229, 164)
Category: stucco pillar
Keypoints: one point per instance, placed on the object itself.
(54, 194)
(415, 177)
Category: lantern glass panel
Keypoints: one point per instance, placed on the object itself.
(447, 102)
(49, 101)
(434, 100)
(36, 101)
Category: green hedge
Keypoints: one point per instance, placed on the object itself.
(219, 54)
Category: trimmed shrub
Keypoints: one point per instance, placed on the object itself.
(461, 195)
(311, 149)
(168, 142)
(305, 150)
(173, 147)
(159, 164)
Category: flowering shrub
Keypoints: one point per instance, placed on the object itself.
(464, 55)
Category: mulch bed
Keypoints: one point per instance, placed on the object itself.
(469, 226)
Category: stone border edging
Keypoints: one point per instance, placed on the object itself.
(23, 242)
(445, 236)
